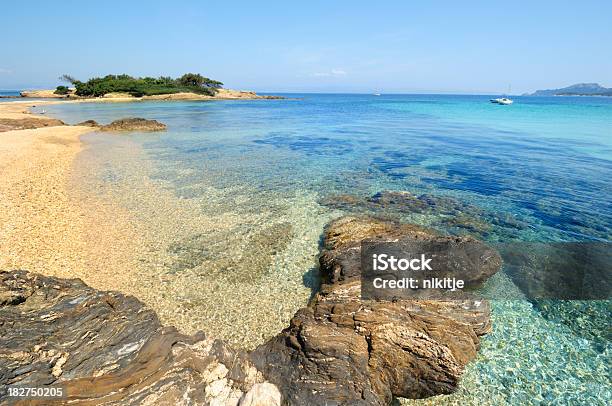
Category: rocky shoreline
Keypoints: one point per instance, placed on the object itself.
(108, 348)
(222, 94)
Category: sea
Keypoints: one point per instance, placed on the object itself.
(261, 177)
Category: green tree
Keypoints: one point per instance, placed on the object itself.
(192, 79)
(61, 90)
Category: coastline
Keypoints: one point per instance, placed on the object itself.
(58, 219)
(46, 227)
(222, 94)
(116, 236)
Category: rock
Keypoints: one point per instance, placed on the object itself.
(134, 124)
(447, 212)
(345, 350)
(399, 202)
(45, 94)
(262, 394)
(469, 223)
(117, 95)
(89, 123)
(105, 347)
(220, 94)
(472, 261)
(8, 124)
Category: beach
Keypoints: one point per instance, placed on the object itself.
(61, 219)
(40, 227)
(44, 229)
(215, 224)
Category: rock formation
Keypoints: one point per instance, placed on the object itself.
(8, 124)
(46, 94)
(134, 124)
(108, 348)
(89, 123)
(345, 350)
(448, 211)
(222, 94)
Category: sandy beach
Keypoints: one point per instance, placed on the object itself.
(41, 229)
(44, 229)
(57, 219)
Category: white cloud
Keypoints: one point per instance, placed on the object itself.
(332, 73)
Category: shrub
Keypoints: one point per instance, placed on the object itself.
(189, 82)
(61, 90)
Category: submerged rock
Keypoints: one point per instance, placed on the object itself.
(134, 124)
(105, 347)
(449, 212)
(400, 202)
(254, 262)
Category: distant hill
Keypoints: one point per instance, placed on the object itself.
(580, 89)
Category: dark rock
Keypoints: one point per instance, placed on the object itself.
(89, 123)
(105, 347)
(450, 213)
(399, 202)
(345, 350)
(134, 124)
(8, 124)
(469, 223)
(560, 270)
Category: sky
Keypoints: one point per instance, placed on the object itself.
(313, 46)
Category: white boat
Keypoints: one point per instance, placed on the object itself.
(376, 94)
(502, 100)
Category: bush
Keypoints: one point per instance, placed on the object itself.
(61, 90)
(148, 86)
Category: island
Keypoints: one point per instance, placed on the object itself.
(190, 86)
(579, 89)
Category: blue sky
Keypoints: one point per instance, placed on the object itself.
(314, 46)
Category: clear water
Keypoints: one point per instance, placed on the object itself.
(8, 95)
(544, 163)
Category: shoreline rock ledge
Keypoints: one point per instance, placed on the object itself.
(108, 348)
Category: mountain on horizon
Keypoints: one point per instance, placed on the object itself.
(579, 89)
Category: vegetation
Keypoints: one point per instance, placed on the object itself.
(61, 90)
(147, 86)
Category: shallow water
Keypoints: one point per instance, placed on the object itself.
(246, 181)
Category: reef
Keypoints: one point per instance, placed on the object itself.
(447, 212)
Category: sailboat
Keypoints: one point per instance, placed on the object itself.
(503, 100)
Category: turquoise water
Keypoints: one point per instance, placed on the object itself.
(539, 170)
(546, 160)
